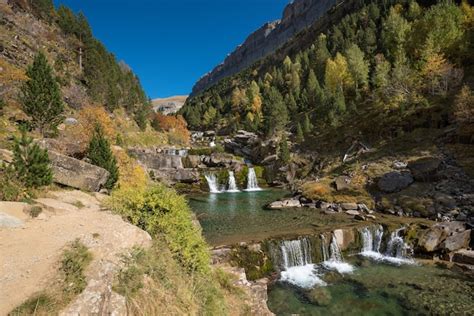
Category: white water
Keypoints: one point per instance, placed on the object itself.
(232, 183)
(212, 183)
(396, 247)
(297, 264)
(336, 260)
(252, 182)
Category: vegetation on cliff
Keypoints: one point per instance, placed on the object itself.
(393, 58)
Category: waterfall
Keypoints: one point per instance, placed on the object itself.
(323, 248)
(252, 182)
(296, 252)
(297, 263)
(396, 248)
(336, 260)
(212, 183)
(232, 183)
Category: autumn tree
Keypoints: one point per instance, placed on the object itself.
(358, 67)
(395, 34)
(337, 76)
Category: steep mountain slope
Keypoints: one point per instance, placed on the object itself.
(297, 16)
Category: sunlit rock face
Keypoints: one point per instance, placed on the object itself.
(298, 15)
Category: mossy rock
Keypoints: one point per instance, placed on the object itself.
(256, 263)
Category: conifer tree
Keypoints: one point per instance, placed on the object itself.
(299, 133)
(307, 126)
(101, 155)
(41, 96)
(31, 163)
(284, 152)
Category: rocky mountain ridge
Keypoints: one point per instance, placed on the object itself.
(297, 16)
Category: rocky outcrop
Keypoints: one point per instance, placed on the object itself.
(425, 169)
(287, 203)
(175, 175)
(169, 105)
(445, 237)
(76, 173)
(297, 16)
(394, 181)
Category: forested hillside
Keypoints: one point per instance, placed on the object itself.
(382, 63)
(87, 72)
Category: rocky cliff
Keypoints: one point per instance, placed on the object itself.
(297, 16)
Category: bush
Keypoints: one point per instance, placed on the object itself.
(160, 210)
(10, 189)
(31, 163)
(74, 262)
(101, 155)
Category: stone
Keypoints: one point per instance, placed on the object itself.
(349, 206)
(457, 241)
(6, 155)
(464, 256)
(67, 148)
(324, 205)
(77, 174)
(70, 121)
(192, 161)
(319, 296)
(394, 181)
(153, 160)
(8, 221)
(371, 216)
(288, 203)
(359, 217)
(430, 240)
(399, 165)
(425, 169)
(342, 183)
(184, 175)
(352, 212)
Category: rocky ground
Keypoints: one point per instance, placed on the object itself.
(31, 248)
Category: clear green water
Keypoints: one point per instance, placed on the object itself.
(381, 289)
(229, 218)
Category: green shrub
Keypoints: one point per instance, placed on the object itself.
(160, 210)
(101, 155)
(74, 262)
(31, 163)
(10, 189)
(40, 302)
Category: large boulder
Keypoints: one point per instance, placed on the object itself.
(433, 238)
(184, 175)
(342, 183)
(153, 160)
(64, 147)
(457, 241)
(425, 169)
(394, 181)
(77, 174)
(464, 256)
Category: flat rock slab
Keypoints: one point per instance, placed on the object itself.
(395, 181)
(8, 221)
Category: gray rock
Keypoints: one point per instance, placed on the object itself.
(457, 241)
(288, 203)
(170, 176)
(425, 169)
(371, 217)
(153, 160)
(6, 155)
(399, 165)
(76, 173)
(464, 256)
(431, 239)
(8, 221)
(70, 121)
(67, 148)
(352, 212)
(394, 181)
(342, 183)
(349, 206)
(359, 218)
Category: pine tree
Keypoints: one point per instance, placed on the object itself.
(275, 112)
(101, 155)
(284, 152)
(31, 163)
(307, 126)
(299, 133)
(41, 96)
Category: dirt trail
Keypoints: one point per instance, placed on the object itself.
(29, 255)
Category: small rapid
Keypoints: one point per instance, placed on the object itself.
(252, 182)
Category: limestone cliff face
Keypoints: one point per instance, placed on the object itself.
(297, 16)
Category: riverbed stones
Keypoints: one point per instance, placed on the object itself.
(319, 296)
(287, 203)
(394, 181)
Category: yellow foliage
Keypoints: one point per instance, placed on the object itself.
(88, 117)
(131, 173)
(10, 73)
(337, 76)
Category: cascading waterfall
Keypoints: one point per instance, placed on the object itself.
(297, 263)
(232, 183)
(212, 183)
(336, 260)
(252, 182)
(323, 248)
(396, 248)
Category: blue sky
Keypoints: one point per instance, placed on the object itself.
(172, 43)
